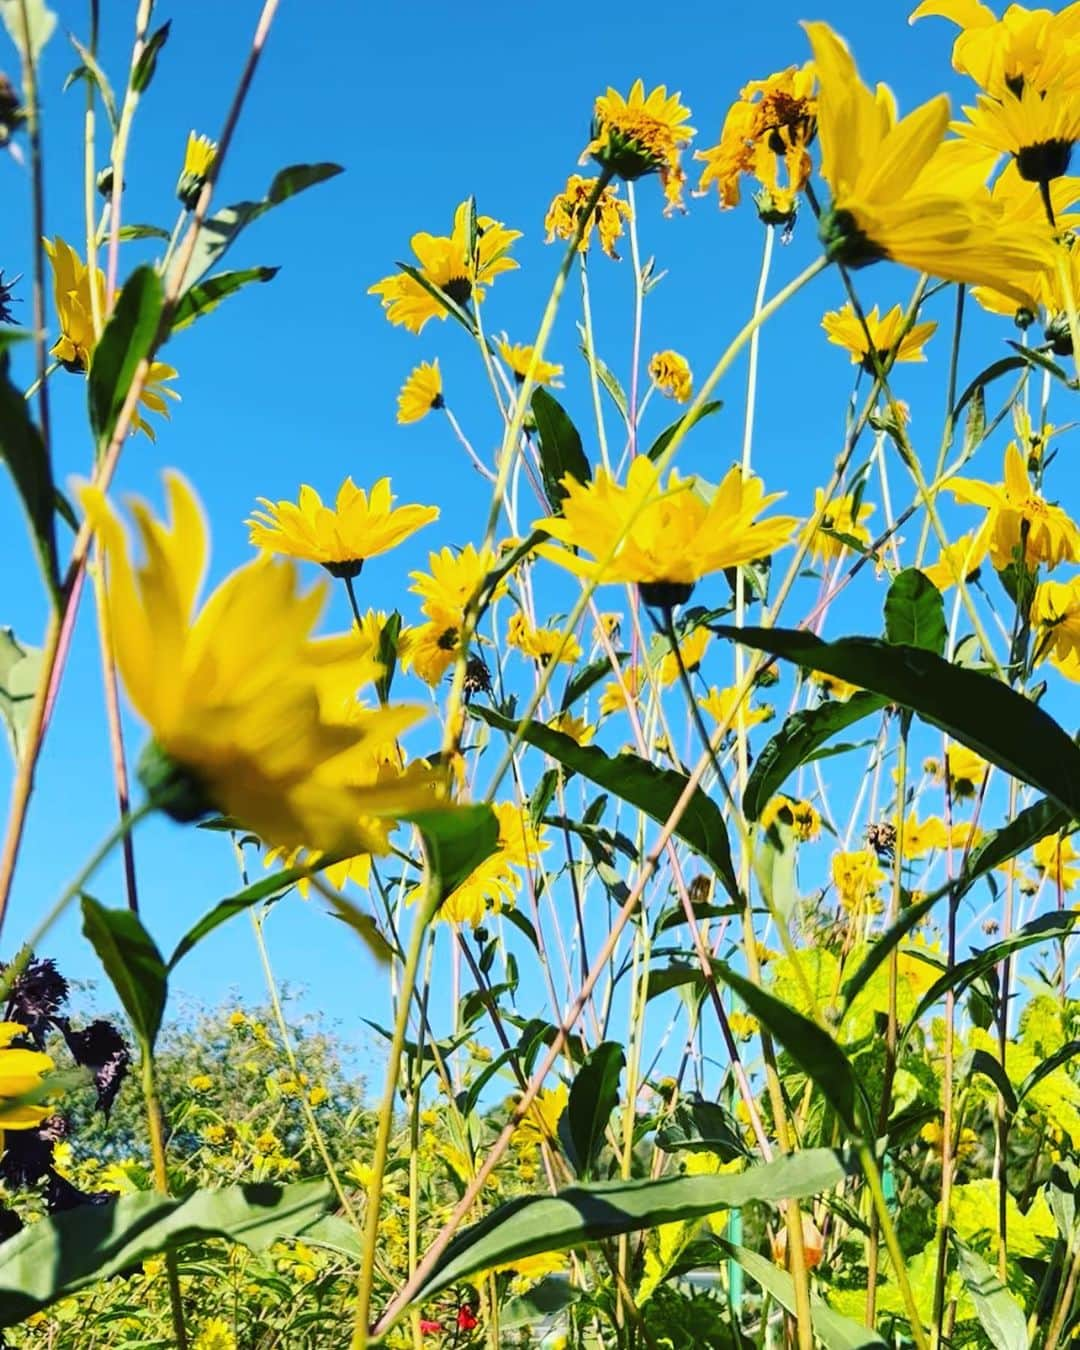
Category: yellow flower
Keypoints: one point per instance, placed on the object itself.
(1053, 858)
(216, 1334)
(742, 1025)
(894, 196)
(519, 357)
(857, 878)
(421, 393)
(359, 526)
(1024, 47)
(360, 1173)
(923, 837)
(841, 517)
(960, 560)
(800, 815)
(722, 705)
(200, 1082)
(608, 215)
(454, 579)
(832, 686)
(540, 1123)
(670, 372)
(495, 881)
(662, 538)
(430, 649)
(642, 134)
(231, 693)
(542, 644)
(21, 1072)
(198, 157)
(1021, 524)
(692, 650)
(576, 728)
(773, 119)
(450, 263)
(338, 875)
(964, 770)
(845, 329)
(1038, 127)
(1056, 610)
(612, 699)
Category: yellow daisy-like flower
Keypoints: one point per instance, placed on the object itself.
(1055, 610)
(692, 650)
(1021, 524)
(608, 216)
(20, 1072)
(831, 686)
(612, 699)
(722, 705)
(233, 692)
(1038, 127)
(542, 645)
(773, 121)
(663, 538)
(964, 770)
(198, 157)
(454, 579)
(959, 560)
(359, 526)
(671, 374)
(579, 731)
(857, 878)
(642, 134)
(519, 357)
(841, 517)
(496, 881)
(845, 329)
(540, 1123)
(1053, 858)
(1024, 47)
(215, 1334)
(801, 816)
(459, 267)
(357, 870)
(430, 649)
(894, 196)
(421, 393)
(921, 837)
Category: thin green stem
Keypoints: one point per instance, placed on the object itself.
(892, 1244)
(155, 1121)
(32, 109)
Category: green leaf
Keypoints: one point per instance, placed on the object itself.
(127, 339)
(530, 1225)
(690, 419)
(132, 232)
(915, 612)
(386, 655)
(979, 711)
(985, 1063)
(20, 675)
(812, 1048)
(579, 684)
(221, 229)
(147, 63)
(132, 963)
(545, 1299)
(91, 70)
(23, 451)
(561, 451)
(207, 295)
(881, 948)
(456, 840)
(1001, 1316)
(834, 1331)
(594, 1094)
(639, 783)
(606, 378)
(1060, 1056)
(1033, 357)
(55, 1257)
(1035, 822)
(699, 1126)
(39, 22)
(992, 372)
(774, 867)
(798, 741)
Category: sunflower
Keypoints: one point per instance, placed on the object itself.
(568, 724)
(454, 579)
(692, 650)
(198, 157)
(662, 538)
(1021, 524)
(842, 516)
(542, 645)
(893, 192)
(460, 265)
(338, 875)
(496, 882)
(723, 706)
(641, 134)
(887, 338)
(857, 877)
(920, 837)
(608, 215)
(21, 1071)
(671, 374)
(964, 771)
(342, 538)
(801, 816)
(959, 560)
(1053, 858)
(236, 695)
(421, 393)
(519, 357)
(1038, 127)
(1055, 609)
(1024, 47)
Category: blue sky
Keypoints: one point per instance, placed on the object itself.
(296, 381)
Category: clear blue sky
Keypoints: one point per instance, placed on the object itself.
(296, 381)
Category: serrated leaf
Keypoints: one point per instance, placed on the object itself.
(593, 1096)
(132, 962)
(127, 339)
(915, 612)
(208, 294)
(561, 451)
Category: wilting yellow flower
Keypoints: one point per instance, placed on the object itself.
(774, 120)
(842, 517)
(1053, 858)
(421, 393)
(845, 329)
(519, 356)
(692, 649)
(233, 694)
(1038, 127)
(338, 875)
(670, 372)
(359, 526)
(857, 878)
(662, 538)
(964, 769)
(832, 686)
(20, 1072)
(198, 157)
(801, 816)
(1055, 609)
(959, 560)
(576, 728)
(723, 706)
(540, 1124)
(74, 348)
(542, 644)
(1022, 525)
(642, 134)
(893, 189)
(495, 882)
(608, 215)
(921, 837)
(451, 264)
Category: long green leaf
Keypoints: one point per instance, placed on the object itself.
(1035, 822)
(147, 63)
(639, 783)
(23, 451)
(20, 675)
(456, 840)
(561, 451)
(207, 295)
(668, 434)
(58, 1256)
(126, 340)
(132, 962)
(594, 1094)
(531, 1225)
(699, 1126)
(1001, 1316)
(979, 711)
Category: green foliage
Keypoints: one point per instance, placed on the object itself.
(561, 452)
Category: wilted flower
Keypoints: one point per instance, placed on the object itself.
(670, 372)
(608, 215)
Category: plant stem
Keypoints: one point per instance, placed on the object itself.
(892, 1243)
(155, 1122)
(37, 175)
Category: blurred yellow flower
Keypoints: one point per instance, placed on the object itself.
(964, 769)
(800, 815)
(1055, 610)
(959, 560)
(841, 516)
(459, 267)
(1054, 857)
(1021, 524)
(215, 1334)
(1024, 47)
(722, 705)
(421, 393)
(671, 374)
(542, 645)
(359, 526)
(845, 329)
(832, 686)
(540, 1123)
(692, 649)
(576, 728)
(20, 1072)
(923, 837)
(519, 356)
(338, 875)
(496, 882)
(612, 699)
(857, 877)
(200, 1082)
(642, 134)
(607, 216)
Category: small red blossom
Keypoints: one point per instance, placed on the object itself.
(467, 1319)
(430, 1328)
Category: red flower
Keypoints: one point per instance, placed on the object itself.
(467, 1319)
(430, 1328)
